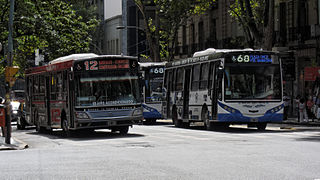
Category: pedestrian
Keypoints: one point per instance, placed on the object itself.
(303, 111)
(286, 102)
(309, 107)
(297, 101)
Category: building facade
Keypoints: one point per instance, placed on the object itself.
(108, 38)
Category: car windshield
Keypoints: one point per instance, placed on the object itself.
(101, 89)
(18, 95)
(252, 82)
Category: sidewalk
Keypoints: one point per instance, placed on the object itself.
(15, 144)
(294, 121)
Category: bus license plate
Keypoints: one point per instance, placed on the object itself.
(254, 119)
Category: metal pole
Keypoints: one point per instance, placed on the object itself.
(9, 64)
(124, 42)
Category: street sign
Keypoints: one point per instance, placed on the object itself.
(10, 72)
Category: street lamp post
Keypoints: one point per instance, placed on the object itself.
(9, 73)
(124, 46)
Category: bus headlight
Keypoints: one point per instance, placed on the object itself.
(137, 112)
(275, 109)
(82, 115)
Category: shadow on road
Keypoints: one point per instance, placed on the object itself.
(237, 129)
(85, 135)
(310, 138)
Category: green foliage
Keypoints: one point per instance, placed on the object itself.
(50, 25)
(251, 15)
(171, 14)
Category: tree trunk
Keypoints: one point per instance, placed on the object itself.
(269, 30)
(152, 41)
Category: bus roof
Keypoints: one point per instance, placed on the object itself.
(73, 57)
(150, 64)
(67, 62)
(214, 51)
(210, 53)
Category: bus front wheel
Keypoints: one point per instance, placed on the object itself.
(123, 130)
(261, 126)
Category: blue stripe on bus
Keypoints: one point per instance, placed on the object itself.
(276, 117)
(235, 115)
(151, 113)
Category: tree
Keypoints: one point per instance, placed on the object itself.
(50, 25)
(256, 18)
(161, 31)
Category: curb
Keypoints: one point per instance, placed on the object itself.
(15, 145)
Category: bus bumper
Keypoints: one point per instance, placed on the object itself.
(239, 118)
(107, 123)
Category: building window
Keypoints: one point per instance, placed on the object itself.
(201, 35)
(117, 46)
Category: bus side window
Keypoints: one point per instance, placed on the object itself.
(211, 75)
(195, 77)
(179, 79)
(53, 86)
(204, 76)
(42, 85)
(59, 86)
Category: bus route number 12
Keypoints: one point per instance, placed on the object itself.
(91, 65)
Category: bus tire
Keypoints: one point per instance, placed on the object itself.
(150, 121)
(261, 126)
(123, 130)
(175, 120)
(21, 124)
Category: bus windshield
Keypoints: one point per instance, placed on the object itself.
(102, 89)
(252, 82)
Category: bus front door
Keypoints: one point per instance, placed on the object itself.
(47, 101)
(186, 91)
(168, 91)
(213, 89)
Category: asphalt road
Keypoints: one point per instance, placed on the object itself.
(164, 152)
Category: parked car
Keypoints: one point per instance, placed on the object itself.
(15, 110)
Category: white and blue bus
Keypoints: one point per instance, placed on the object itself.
(223, 87)
(152, 75)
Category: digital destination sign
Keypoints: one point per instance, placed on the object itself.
(251, 58)
(93, 65)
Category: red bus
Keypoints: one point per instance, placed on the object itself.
(84, 91)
